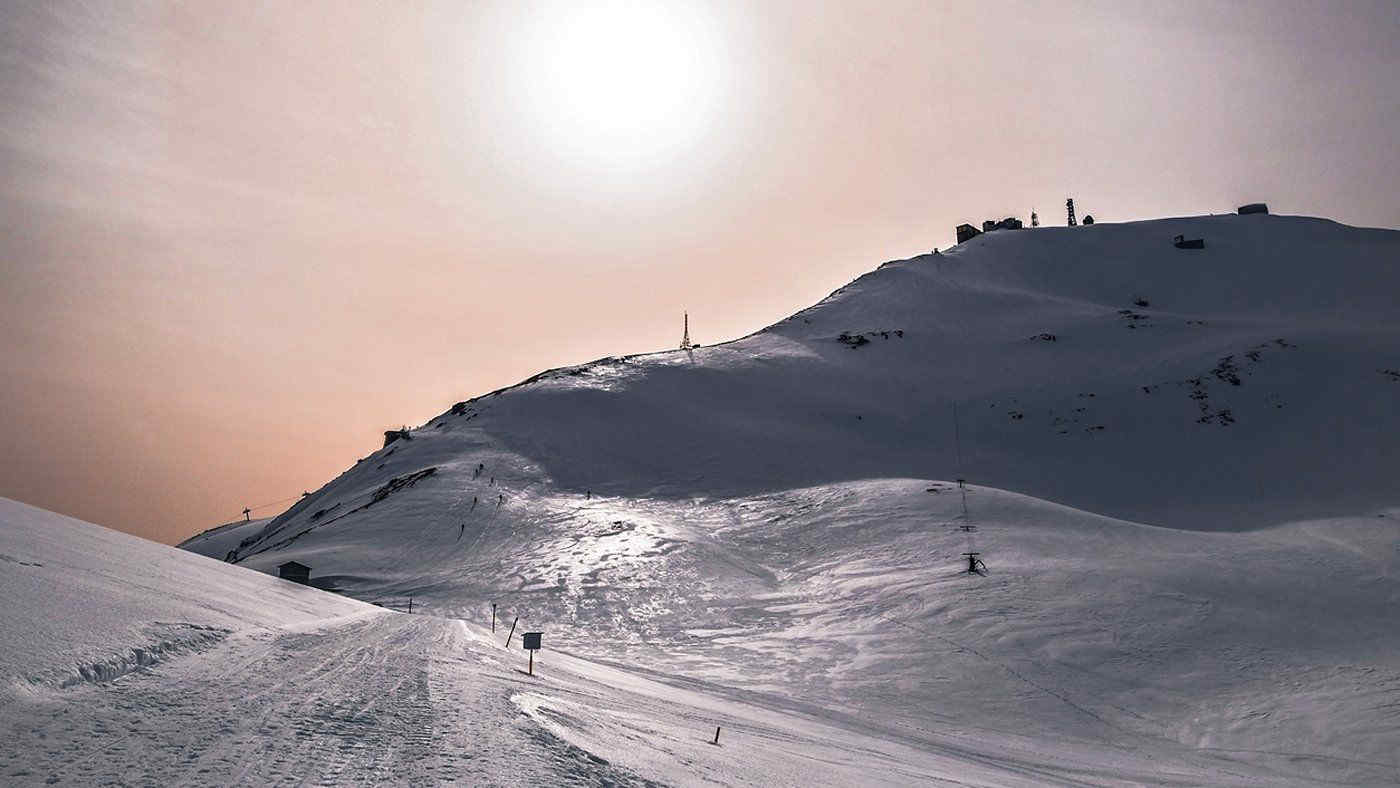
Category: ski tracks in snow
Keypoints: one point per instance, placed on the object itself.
(372, 698)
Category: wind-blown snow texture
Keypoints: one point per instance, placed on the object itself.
(300, 686)
(764, 535)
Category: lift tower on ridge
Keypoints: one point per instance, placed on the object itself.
(974, 558)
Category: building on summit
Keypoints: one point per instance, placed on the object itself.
(967, 232)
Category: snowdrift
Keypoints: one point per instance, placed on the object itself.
(83, 603)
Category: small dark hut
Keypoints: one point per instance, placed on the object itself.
(295, 572)
(967, 232)
(392, 435)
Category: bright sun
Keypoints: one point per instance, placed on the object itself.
(620, 84)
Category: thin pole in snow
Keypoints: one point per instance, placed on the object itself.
(957, 449)
(493, 616)
(716, 741)
(957, 438)
(512, 630)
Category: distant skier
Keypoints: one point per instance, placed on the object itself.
(590, 494)
(461, 532)
(501, 499)
(473, 503)
(493, 482)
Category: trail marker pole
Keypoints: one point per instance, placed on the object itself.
(493, 616)
(512, 630)
(410, 605)
(716, 741)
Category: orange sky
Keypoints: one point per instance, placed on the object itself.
(238, 242)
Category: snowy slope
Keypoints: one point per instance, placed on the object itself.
(1106, 418)
(1258, 386)
(756, 515)
(83, 603)
(219, 541)
(1275, 648)
(299, 686)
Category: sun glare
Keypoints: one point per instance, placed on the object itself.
(620, 84)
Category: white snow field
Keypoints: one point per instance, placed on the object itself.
(1181, 469)
(151, 666)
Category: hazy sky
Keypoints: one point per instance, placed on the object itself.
(238, 240)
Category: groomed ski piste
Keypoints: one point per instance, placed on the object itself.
(1180, 474)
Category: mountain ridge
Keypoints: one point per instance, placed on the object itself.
(1185, 369)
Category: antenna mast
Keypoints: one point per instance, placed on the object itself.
(685, 337)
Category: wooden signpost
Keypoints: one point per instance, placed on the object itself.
(532, 644)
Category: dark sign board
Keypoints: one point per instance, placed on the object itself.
(532, 640)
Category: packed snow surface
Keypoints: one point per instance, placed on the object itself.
(303, 686)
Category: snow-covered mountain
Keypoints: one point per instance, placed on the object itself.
(1244, 384)
(776, 515)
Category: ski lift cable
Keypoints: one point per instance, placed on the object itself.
(265, 545)
(274, 503)
(962, 479)
(812, 597)
(1012, 671)
(957, 440)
